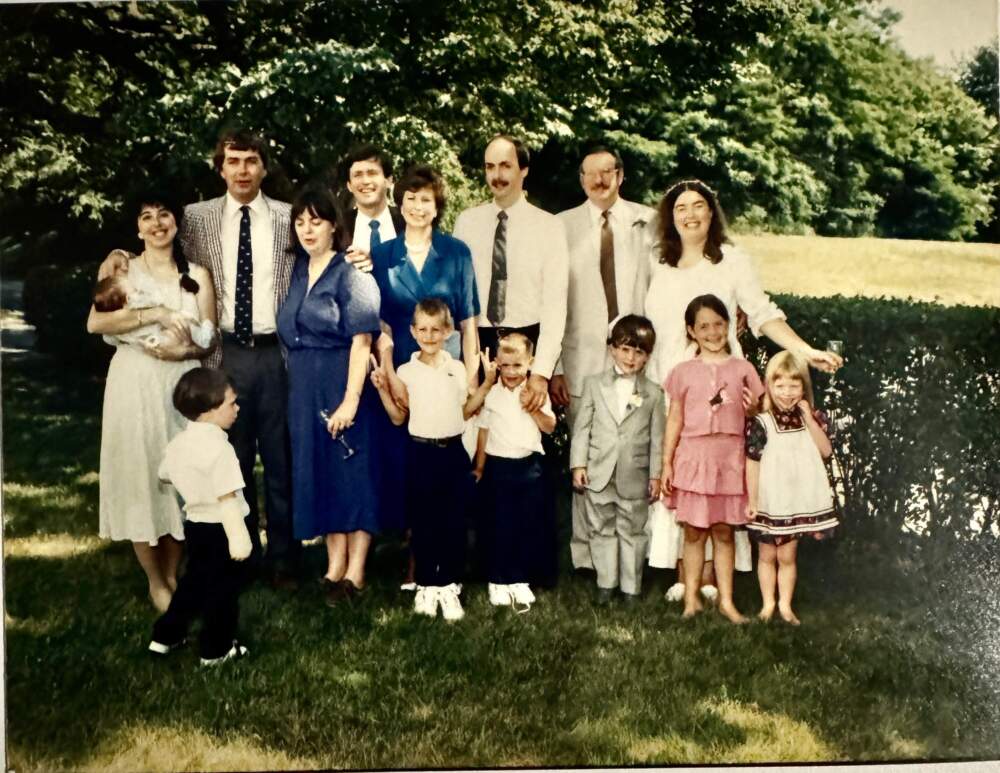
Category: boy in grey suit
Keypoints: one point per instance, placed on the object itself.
(615, 456)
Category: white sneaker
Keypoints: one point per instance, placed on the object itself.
(237, 651)
(499, 595)
(425, 602)
(710, 592)
(521, 595)
(159, 648)
(408, 587)
(451, 607)
(675, 592)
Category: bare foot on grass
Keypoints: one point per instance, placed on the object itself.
(789, 616)
(732, 614)
(690, 610)
(766, 613)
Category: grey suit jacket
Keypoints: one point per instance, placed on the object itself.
(584, 344)
(201, 238)
(629, 449)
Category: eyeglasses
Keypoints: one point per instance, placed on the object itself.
(324, 416)
(599, 173)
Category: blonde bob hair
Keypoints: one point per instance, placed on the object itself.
(789, 365)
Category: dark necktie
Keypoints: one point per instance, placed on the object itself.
(376, 236)
(608, 266)
(498, 276)
(243, 313)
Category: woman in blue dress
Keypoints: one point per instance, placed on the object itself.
(420, 263)
(327, 323)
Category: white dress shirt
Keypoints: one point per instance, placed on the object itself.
(362, 239)
(437, 395)
(620, 220)
(513, 433)
(202, 466)
(262, 246)
(624, 389)
(537, 271)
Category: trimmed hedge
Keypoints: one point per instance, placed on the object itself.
(920, 394)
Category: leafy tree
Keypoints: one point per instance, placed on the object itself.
(980, 78)
(802, 112)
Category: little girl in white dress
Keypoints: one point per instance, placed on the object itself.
(789, 492)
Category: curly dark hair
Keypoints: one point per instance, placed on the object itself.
(670, 239)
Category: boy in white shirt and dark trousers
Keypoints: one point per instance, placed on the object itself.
(509, 467)
(438, 473)
(203, 467)
(616, 455)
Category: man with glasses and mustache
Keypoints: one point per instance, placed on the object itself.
(609, 240)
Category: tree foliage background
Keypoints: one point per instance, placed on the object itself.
(804, 114)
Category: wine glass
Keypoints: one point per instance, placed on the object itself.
(324, 416)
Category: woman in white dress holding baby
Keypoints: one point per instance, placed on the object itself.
(154, 347)
(694, 257)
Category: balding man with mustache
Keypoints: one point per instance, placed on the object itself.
(520, 258)
(609, 240)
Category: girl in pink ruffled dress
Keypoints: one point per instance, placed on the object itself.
(703, 476)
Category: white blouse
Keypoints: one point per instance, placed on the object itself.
(733, 280)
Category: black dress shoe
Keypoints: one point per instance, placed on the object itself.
(604, 596)
(343, 590)
(334, 592)
(630, 599)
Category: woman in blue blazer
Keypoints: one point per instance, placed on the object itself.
(420, 263)
(423, 263)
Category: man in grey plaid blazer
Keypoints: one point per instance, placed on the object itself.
(216, 234)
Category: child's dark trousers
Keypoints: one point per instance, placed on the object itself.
(209, 589)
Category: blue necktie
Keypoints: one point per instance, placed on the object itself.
(243, 313)
(376, 237)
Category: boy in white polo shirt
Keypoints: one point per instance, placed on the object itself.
(438, 472)
(509, 466)
(203, 467)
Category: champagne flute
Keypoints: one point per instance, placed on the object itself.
(324, 416)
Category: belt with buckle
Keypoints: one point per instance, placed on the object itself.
(256, 342)
(438, 442)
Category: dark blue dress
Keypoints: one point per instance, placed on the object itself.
(329, 493)
(447, 274)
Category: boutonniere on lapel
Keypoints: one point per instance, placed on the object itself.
(635, 401)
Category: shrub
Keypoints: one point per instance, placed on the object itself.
(920, 397)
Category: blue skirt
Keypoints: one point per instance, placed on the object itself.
(335, 484)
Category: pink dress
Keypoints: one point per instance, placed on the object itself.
(709, 484)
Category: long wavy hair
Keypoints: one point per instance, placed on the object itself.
(160, 198)
(670, 239)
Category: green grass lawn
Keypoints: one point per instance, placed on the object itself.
(881, 669)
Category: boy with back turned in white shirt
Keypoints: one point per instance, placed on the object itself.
(203, 467)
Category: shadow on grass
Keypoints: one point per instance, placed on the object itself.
(879, 670)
